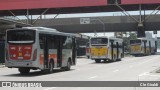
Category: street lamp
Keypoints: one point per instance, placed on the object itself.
(101, 23)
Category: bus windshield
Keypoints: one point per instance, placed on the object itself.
(137, 41)
(21, 36)
(99, 41)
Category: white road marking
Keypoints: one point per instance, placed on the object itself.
(50, 88)
(116, 70)
(144, 62)
(144, 74)
(92, 77)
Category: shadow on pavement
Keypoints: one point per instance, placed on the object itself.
(105, 62)
(35, 73)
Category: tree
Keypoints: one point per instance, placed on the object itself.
(127, 41)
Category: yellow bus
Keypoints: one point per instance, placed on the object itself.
(106, 48)
(143, 46)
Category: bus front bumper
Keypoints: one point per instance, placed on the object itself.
(102, 57)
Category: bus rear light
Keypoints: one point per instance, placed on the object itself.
(35, 55)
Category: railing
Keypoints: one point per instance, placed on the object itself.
(10, 17)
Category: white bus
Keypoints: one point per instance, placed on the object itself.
(39, 48)
(105, 48)
(143, 46)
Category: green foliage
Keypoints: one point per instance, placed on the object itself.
(127, 41)
(132, 36)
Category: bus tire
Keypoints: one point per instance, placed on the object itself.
(24, 70)
(51, 66)
(114, 60)
(68, 67)
(105, 60)
(119, 59)
(110, 60)
(97, 61)
(50, 70)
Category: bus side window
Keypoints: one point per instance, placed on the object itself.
(111, 41)
(120, 45)
(52, 42)
(67, 43)
(114, 45)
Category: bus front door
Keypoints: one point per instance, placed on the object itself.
(155, 47)
(123, 49)
(59, 51)
(117, 45)
(112, 49)
(150, 49)
(74, 51)
(145, 47)
(45, 51)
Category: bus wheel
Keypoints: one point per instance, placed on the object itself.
(51, 66)
(88, 57)
(24, 70)
(105, 60)
(119, 59)
(50, 70)
(97, 61)
(68, 67)
(114, 58)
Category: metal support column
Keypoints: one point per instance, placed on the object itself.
(41, 15)
(140, 27)
(152, 13)
(125, 12)
(140, 14)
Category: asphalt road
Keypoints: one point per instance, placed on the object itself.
(129, 69)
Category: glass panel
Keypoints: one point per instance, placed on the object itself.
(99, 41)
(21, 35)
(135, 41)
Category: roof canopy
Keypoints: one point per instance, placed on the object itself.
(69, 6)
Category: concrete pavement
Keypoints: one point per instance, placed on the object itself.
(129, 69)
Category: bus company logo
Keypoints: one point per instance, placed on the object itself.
(20, 84)
(6, 84)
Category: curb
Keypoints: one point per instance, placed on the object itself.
(156, 70)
